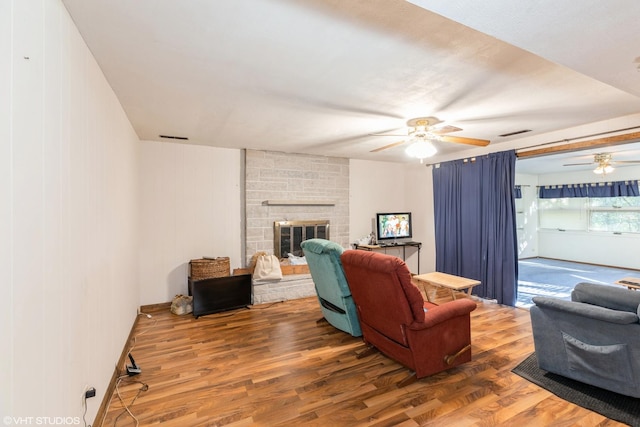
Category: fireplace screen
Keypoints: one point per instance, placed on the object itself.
(289, 234)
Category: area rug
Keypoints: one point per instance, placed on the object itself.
(612, 405)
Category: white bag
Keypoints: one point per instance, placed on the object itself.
(267, 268)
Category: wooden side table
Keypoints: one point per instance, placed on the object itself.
(455, 283)
(629, 282)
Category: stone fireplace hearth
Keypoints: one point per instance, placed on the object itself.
(292, 286)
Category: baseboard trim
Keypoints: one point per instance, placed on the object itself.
(580, 262)
(161, 306)
(117, 372)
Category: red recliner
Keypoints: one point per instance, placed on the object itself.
(425, 337)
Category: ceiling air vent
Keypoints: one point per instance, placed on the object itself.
(518, 132)
(182, 138)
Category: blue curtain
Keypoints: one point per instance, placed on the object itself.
(475, 225)
(600, 189)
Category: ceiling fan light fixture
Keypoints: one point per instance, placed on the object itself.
(421, 149)
(604, 166)
(603, 169)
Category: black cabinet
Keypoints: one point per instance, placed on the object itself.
(220, 294)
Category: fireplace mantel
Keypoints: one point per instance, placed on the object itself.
(272, 202)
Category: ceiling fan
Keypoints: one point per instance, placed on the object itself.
(423, 131)
(604, 162)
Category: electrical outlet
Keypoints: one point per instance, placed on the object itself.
(90, 392)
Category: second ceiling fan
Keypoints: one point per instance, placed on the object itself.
(423, 131)
(604, 162)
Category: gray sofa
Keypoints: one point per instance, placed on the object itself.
(594, 338)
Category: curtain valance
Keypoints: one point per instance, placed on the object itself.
(596, 189)
(614, 189)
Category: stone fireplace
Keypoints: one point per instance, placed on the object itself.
(283, 188)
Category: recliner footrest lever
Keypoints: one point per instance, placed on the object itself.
(450, 359)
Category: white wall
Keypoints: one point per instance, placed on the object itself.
(7, 400)
(419, 194)
(374, 187)
(527, 216)
(385, 187)
(590, 247)
(593, 248)
(184, 190)
(190, 207)
(68, 216)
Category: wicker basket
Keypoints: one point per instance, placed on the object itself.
(207, 268)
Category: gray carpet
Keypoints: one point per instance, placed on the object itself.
(556, 278)
(615, 406)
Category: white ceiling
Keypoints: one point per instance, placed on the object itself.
(319, 76)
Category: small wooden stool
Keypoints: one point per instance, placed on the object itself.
(629, 282)
(455, 283)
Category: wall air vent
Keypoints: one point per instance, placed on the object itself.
(518, 132)
(182, 138)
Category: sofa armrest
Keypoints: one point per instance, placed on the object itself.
(442, 313)
(586, 310)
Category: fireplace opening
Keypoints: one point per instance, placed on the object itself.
(289, 234)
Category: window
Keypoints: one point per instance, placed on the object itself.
(615, 214)
(563, 213)
(609, 214)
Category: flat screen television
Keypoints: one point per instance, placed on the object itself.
(394, 225)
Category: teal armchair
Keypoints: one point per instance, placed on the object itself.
(334, 295)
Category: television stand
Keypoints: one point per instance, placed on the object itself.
(381, 246)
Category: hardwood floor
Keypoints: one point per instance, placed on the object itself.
(273, 365)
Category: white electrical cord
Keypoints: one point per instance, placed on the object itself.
(84, 406)
(127, 409)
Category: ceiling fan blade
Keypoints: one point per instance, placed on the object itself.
(395, 144)
(386, 133)
(310, 101)
(626, 161)
(468, 141)
(579, 164)
(440, 130)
